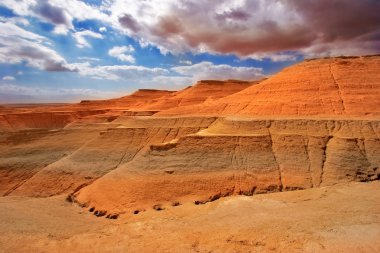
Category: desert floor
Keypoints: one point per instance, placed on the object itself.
(340, 218)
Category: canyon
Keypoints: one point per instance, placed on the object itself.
(314, 126)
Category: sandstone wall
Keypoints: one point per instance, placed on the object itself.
(321, 87)
(234, 156)
(113, 146)
(43, 120)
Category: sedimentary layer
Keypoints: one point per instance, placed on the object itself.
(313, 124)
(202, 92)
(234, 156)
(343, 86)
(113, 145)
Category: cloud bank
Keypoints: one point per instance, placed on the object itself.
(253, 28)
(120, 53)
(18, 45)
(182, 75)
(279, 30)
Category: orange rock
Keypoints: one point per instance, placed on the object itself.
(137, 100)
(233, 156)
(203, 91)
(345, 86)
(312, 124)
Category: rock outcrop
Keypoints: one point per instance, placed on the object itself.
(332, 87)
(114, 146)
(313, 124)
(202, 92)
(240, 157)
(137, 100)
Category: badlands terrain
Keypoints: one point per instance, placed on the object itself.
(289, 163)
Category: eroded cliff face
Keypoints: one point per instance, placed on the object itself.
(321, 87)
(234, 156)
(114, 146)
(136, 101)
(24, 153)
(314, 124)
(47, 119)
(203, 92)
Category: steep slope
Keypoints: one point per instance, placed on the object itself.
(313, 124)
(137, 100)
(96, 111)
(143, 102)
(202, 91)
(25, 153)
(48, 119)
(239, 157)
(345, 86)
(118, 143)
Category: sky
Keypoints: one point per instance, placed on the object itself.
(66, 51)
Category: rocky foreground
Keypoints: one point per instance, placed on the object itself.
(339, 218)
(313, 125)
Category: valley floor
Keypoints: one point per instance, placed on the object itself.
(340, 218)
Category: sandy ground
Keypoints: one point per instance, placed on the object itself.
(340, 218)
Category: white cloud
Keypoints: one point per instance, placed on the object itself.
(173, 77)
(258, 28)
(61, 29)
(185, 62)
(80, 37)
(22, 8)
(8, 78)
(208, 70)
(19, 45)
(9, 29)
(120, 53)
(15, 20)
(171, 82)
(132, 73)
(88, 59)
(57, 12)
(19, 93)
(127, 58)
(275, 57)
(102, 29)
(119, 50)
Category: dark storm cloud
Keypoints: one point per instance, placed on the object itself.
(339, 19)
(129, 22)
(258, 26)
(52, 13)
(234, 15)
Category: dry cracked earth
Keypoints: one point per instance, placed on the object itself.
(285, 164)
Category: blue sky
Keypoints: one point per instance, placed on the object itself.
(65, 51)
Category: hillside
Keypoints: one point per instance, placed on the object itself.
(343, 86)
